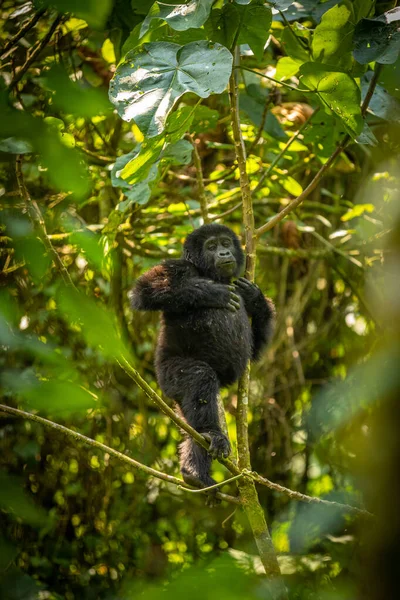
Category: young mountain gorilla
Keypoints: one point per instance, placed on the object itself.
(206, 338)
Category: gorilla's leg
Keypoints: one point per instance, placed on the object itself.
(194, 385)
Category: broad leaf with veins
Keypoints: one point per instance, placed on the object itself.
(151, 78)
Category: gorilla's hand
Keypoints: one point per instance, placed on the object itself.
(250, 292)
(218, 295)
(219, 444)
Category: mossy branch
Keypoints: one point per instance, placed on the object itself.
(106, 449)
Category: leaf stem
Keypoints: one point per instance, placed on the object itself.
(287, 85)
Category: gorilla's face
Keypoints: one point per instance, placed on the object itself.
(219, 253)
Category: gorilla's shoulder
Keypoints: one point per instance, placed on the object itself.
(180, 268)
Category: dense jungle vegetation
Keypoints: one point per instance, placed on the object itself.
(124, 125)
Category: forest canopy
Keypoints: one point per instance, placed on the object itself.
(125, 125)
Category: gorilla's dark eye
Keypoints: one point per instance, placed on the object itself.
(226, 242)
(211, 245)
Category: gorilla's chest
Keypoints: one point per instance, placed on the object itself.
(217, 336)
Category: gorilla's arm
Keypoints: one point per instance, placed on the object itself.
(175, 286)
(262, 312)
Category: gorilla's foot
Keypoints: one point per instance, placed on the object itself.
(219, 444)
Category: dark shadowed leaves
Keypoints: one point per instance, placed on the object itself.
(74, 98)
(19, 505)
(97, 324)
(51, 397)
(382, 104)
(378, 39)
(95, 12)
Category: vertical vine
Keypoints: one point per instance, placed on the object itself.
(246, 485)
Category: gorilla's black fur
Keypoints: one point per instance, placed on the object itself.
(206, 338)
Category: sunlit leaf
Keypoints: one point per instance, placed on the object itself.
(107, 51)
(150, 80)
(291, 185)
(337, 91)
(138, 192)
(138, 168)
(179, 16)
(333, 37)
(286, 67)
(357, 211)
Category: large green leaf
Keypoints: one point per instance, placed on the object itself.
(251, 22)
(180, 16)
(137, 193)
(295, 41)
(286, 67)
(223, 24)
(138, 168)
(337, 91)
(150, 80)
(333, 37)
(255, 22)
(378, 39)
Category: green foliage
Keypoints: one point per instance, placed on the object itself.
(337, 91)
(378, 39)
(332, 39)
(100, 199)
(198, 67)
(181, 16)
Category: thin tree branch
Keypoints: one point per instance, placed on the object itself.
(309, 499)
(200, 181)
(181, 423)
(268, 102)
(21, 33)
(306, 253)
(283, 152)
(248, 492)
(35, 53)
(37, 218)
(317, 178)
(152, 395)
(121, 457)
(216, 485)
(287, 85)
(305, 193)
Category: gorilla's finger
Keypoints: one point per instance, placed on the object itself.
(244, 283)
(233, 306)
(235, 297)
